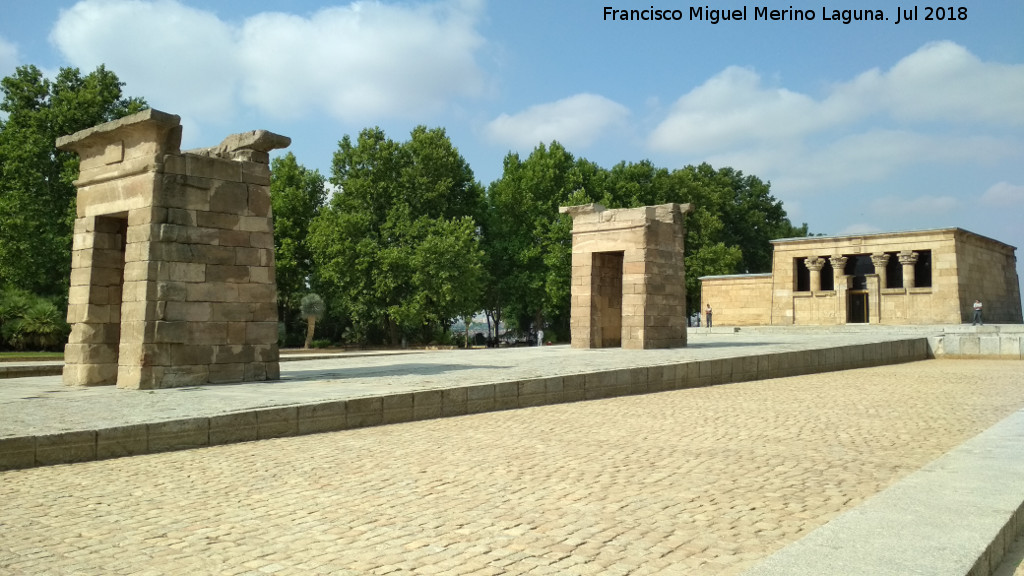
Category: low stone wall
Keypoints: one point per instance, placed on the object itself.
(1001, 342)
(258, 424)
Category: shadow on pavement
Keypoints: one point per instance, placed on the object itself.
(418, 369)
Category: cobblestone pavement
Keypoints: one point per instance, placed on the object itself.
(699, 481)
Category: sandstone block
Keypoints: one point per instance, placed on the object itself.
(229, 372)
(231, 428)
(453, 402)
(326, 417)
(65, 448)
(426, 404)
(365, 412)
(122, 441)
(17, 452)
(397, 408)
(277, 422)
(178, 434)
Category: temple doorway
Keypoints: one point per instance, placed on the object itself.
(606, 303)
(857, 307)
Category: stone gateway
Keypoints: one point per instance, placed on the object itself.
(172, 271)
(628, 276)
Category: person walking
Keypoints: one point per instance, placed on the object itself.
(977, 314)
(707, 316)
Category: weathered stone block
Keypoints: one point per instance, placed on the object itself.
(227, 273)
(426, 404)
(178, 434)
(276, 422)
(18, 452)
(397, 408)
(232, 372)
(231, 428)
(122, 441)
(480, 399)
(365, 412)
(453, 402)
(573, 387)
(506, 395)
(326, 417)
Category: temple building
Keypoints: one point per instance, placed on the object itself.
(921, 277)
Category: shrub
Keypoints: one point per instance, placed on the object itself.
(39, 325)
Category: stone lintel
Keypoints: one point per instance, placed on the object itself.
(156, 125)
(597, 213)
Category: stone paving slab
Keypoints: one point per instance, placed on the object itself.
(701, 481)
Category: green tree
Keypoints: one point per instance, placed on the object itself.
(312, 308)
(735, 216)
(528, 243)
(37, 194)
(396, 246)
(296, 195)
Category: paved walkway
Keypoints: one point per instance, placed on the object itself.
(698, 481)
(43, 405)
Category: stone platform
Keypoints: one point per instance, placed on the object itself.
(43, 422)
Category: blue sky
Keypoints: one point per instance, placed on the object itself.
(863, 127)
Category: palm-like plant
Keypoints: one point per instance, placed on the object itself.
(31, 322)
(312, 308)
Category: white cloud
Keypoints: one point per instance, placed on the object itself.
(363, 60)
(734, 108)
(1004, 194)
(9, 58)
(941, 82)
(940, 104)
(181, 59)
(944, 82)
(576, 122)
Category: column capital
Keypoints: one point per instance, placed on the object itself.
(838, 263)
(907, 257)
(880, 260)
(814, 264)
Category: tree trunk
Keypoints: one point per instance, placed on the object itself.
(310, 325)
(393, 332)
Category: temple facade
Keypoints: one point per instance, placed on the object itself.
(921, 277)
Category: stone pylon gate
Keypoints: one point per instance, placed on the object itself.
(628, 276)
(172, 273)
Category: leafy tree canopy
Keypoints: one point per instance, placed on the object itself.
(397, 247)
(528, 243)
(296, 195)
(37, 193)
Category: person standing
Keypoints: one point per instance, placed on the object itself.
(977, 314)
(707, 316)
